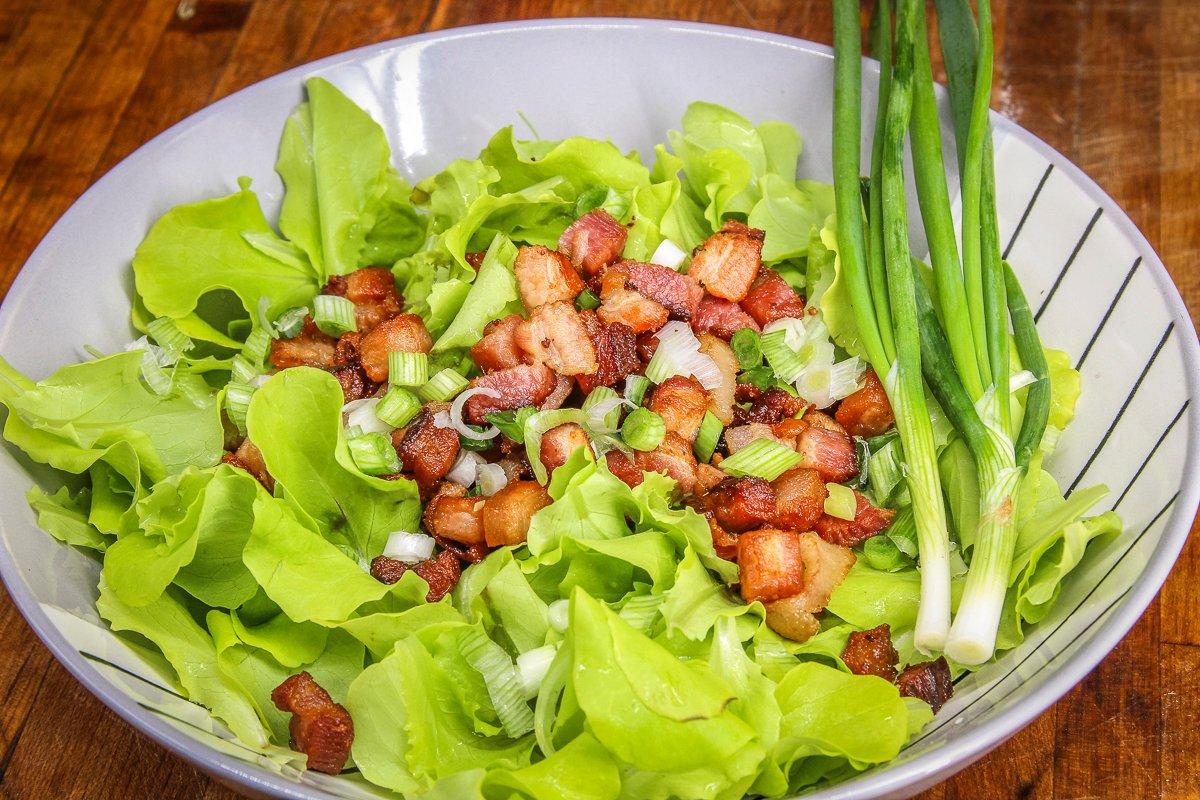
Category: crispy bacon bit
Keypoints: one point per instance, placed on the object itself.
(771, 564)
(405, 333)
(747, 393)
(632, 310)
(555, 335)
(616, 352)
(678, 293)
(721, 318)
(868, 521)
(828, 450)
(321, 728)
(336, 285)
(790, 619)
(453, 516)
(681, 402)
(728, 261)
(515, 469)
(373, 292)
(562, 390)
(720, 400)
(250, 458)
(593, 241)
(426, 450)
(475, 259)
(647, 345)
(559, 443)
(387, 570)
(498, 349)
(871, 653)
(825, 566)
(799, 499)
(739, 436)
(441, 573)
(771, 407)
(524, 385)
(345, 352)
(545, 276)
(867, 412)
(623, 467)
(771, 298)
(309, 348)
(507, 513)
(789, 430)
(471, 554)
(708, 476)
(725, 544)
(355, 385)
(673, 458)
(929, 681)
(740, 504)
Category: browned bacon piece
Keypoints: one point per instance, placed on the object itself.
(250, 458)
(475, 258)
(682, 403)
(498, 349)
(309, 348)
(345, 352)
(426, 450)
(799, 499)
(321, 728)
(405, 333)
(508, 513)
(868, 521)
(624, 468)
(771, 298)
(678, 293)
(725, 544)
(708, 476)
(824, 566)
(739, 436)
(373, 292)
(453, 516)
(728, 261)
(929, 680)
(354, 383)
(524, 385)
(871, 653)
(771, 564)
(559, 443)
(867, 412)
(469, 553)
(771, 407)
(616, 352)
(740, 504)
(559, 394)
(593, 241)
(721, 396)
(791, 619)
(622, 304)
(721, 318)
(673, 458)
(555, 335)
(441, 572)
(827, 448)
(545, 276)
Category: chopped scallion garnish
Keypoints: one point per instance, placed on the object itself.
(643, 429)
(446, 385)
(408, 369)
(398, 407)
(333, 315)
(374, 454)
(762, 458)
(707, 437)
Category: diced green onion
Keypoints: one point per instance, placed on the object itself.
(643, 429)
(476, 445)
(587, 301)
(291, 322)
(501, 679)
(610, 416)
(257, 345)
(408, 369)
(557, 614)
(157, 378)
(707, 437)
(512, 423)
(242, 371)
(786, 363)
(532, 666)
(762, 458)
(760, 377)
(747, 348)
(166, 333)
(446, 385)
(374, 454)
(840, 502)
(333, 315)
(398, 407)
(237, 403)
(635, 388)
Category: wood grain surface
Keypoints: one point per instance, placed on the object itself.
(1113, 84)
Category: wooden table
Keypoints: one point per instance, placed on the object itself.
(1114, 84)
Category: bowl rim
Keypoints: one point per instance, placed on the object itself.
(910, 776)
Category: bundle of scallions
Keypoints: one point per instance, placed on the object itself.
(942, 333)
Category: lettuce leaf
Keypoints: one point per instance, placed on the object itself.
(493, 294)
(66, 518)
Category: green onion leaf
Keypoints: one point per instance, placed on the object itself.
(762, 458)
(407, 369)
(257, 345)
(785, 362)
(237, 403)
(475, 445)
(242, 371)
(445, 385)
(398, 407)
(762, 377)
(157, 378)
(603, 394)
(747, 348)
(512, 423)
(643, 429)
(883, 554)
(333, 315)
(501, 680)
(635, 388)
(166, 333)
(587, 301)
(291, 322)
(840, 502)
(707, 437)
(590, 199)
(374, 454)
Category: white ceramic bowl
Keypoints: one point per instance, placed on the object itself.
(1099, 290)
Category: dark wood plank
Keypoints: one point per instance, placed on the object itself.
(1181, 722)
(277, 34)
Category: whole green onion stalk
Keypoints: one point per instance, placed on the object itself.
(903, 371)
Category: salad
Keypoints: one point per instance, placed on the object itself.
(562, 473)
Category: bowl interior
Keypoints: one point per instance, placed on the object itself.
(1099, 291)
